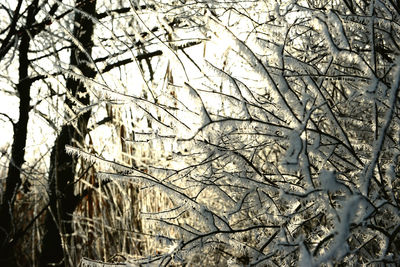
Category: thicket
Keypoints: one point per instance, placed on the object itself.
(249, 133)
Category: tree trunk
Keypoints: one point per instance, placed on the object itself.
(63, 201)
(13, 179)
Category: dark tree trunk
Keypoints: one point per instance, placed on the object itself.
(13, 179)
(63, 201)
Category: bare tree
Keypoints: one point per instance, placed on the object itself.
(63, 201)
(21, 30)
(44, 33)
(294, 157)
(256, 133)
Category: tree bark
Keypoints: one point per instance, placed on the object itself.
(63, 201)
(13, 179)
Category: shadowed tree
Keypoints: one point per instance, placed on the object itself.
(62, 198)
(10, 230)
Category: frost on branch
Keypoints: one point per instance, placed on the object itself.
(281, 138)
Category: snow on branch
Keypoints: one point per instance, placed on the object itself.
(85, 262)
(96, 159)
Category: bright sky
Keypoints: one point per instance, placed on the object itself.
(8, 105)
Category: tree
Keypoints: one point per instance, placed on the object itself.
(67, 89)
(295, 156)
(62, 198)
(9, 231)
(273, 142)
